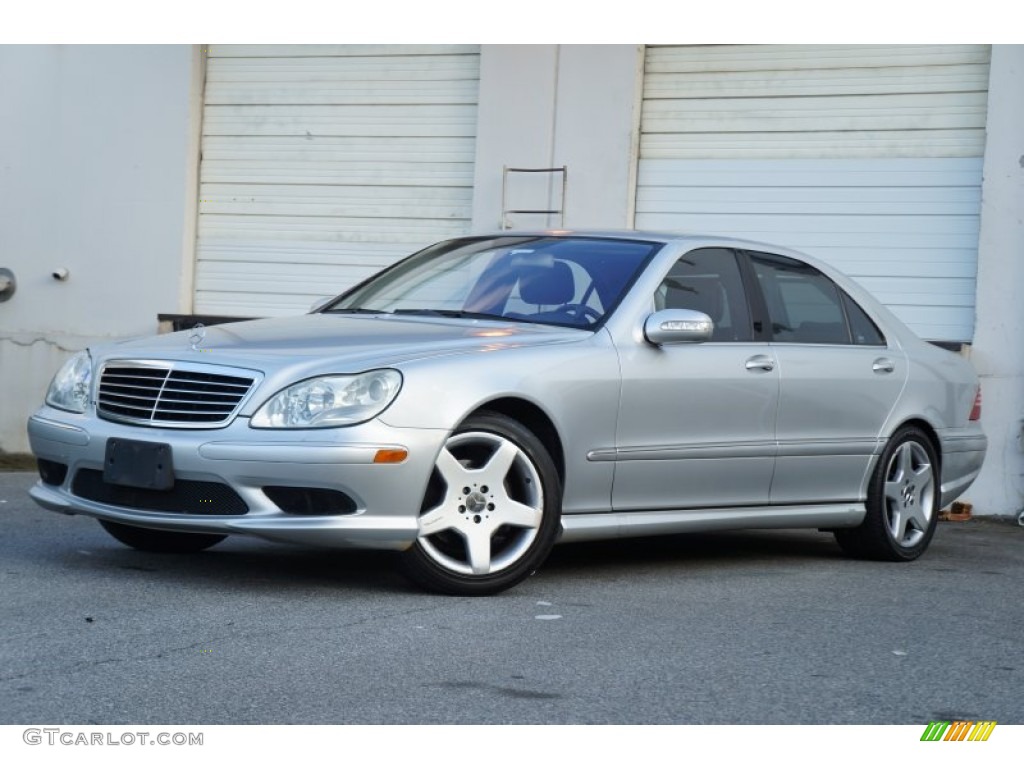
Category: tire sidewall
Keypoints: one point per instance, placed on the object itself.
(158, 541)
(876, 502)
(427, 572)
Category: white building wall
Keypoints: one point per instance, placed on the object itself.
(998, 350)
(98, 150)
(545, 106)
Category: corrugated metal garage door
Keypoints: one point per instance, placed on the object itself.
(321, 164)
(867, 156)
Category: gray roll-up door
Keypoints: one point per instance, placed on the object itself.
(322, 164)
(869, 157)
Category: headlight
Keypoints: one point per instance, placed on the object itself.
(329, 401)
(69, 389)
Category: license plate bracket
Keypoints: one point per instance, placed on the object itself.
(138, 464)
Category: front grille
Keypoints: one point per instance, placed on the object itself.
(168, 395)
(190, 497)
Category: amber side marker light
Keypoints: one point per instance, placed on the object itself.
(390, 456)
(976, 408)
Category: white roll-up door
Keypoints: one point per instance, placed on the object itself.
(321, 164)
(869, 157)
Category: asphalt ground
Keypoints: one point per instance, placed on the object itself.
(748, 627)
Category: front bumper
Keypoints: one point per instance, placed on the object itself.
(387, 497)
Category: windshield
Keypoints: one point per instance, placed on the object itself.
(573, 281)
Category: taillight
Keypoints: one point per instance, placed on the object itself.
(976, 408)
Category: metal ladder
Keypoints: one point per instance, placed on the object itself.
(505, 210)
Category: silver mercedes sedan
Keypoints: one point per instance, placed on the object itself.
(492, 395)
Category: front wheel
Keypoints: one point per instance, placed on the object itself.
(902, 504)
(152, 540)
(491, 510)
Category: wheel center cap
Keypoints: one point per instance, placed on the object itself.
(476, 502)
(908, 494)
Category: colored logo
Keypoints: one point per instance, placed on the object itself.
(958, 730)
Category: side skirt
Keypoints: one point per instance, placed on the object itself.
(611, 525)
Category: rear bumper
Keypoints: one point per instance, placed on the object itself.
(963, 453)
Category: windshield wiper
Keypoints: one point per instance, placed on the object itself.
(452, 313)
(356, 311)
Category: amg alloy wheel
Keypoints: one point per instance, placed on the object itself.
(902, 504)
(491, 510)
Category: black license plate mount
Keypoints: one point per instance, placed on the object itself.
(138, 464)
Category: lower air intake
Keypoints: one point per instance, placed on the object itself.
(310, 501)
(187, 497)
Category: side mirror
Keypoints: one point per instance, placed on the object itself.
(320, 304)
(678, 326)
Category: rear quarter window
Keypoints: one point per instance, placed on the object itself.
(862, 328)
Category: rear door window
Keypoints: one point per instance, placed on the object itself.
(804, 306)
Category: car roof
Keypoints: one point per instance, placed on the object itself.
(677, 238)
(640, 234)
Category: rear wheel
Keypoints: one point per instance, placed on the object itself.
(902, 504)
(491, 510)
(151, 540)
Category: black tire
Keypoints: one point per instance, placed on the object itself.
(152, 540)
(902, 503)
(465, 517)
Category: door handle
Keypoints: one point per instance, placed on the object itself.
(883, 365)
(760, 363)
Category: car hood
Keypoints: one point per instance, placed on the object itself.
(340, 342)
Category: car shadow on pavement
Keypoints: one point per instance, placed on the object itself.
(247, 564)
(699, 549)
(244, 565)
